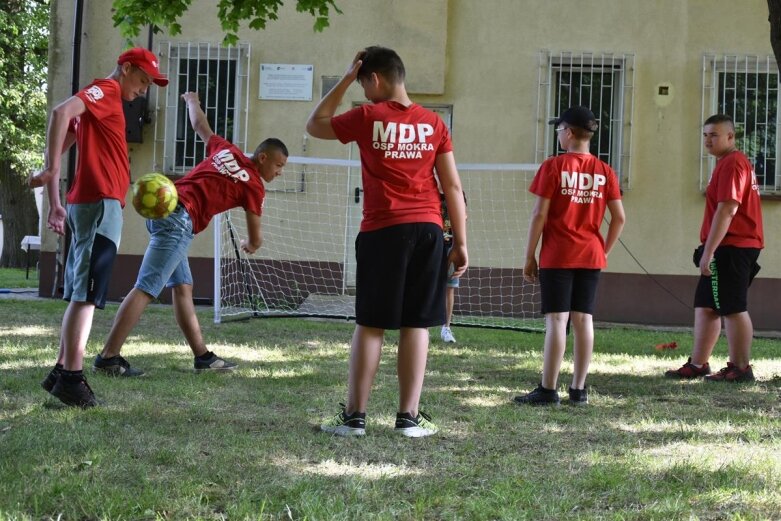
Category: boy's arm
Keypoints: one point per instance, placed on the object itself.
(454, 197)
(197, 117)
(254, 233)
(722, 218)
(536, 225)
(617, 221)
(319, 123)
(58, 140)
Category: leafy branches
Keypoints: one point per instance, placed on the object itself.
(24, 26)
(131, 15)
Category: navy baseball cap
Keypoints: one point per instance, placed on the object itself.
(579, 117)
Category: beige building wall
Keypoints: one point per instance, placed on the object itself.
(483, 58)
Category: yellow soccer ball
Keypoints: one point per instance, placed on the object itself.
(154, 196)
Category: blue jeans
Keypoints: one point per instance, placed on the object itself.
(165, 260)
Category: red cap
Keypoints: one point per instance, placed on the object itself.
(146, 61)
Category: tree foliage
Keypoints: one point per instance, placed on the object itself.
(130, 16)
(24, 29)
(24, 33)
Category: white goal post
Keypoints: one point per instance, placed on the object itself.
(306, 265)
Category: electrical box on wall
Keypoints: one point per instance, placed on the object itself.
(135, 115)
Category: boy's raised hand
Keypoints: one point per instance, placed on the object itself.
(191, 97)
(355, 66)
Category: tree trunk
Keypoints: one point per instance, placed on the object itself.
(20, 217)
(774, 6)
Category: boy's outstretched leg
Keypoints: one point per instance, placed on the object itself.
(184, 310)
(109, 361)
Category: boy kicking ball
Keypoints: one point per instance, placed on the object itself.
(225, 179)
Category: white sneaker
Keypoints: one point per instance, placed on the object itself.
(447, 335)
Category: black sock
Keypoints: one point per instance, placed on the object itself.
(205, 356)
(72, 376)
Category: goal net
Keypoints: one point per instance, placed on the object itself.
(306, 265)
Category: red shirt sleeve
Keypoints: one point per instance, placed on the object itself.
(348, 126)
(544, 184)
(732, 187)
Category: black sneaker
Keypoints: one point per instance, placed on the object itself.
(213, 363)
(539, 396)
(344, 424)
(114, 366)
(417, 427)
(578, 396)
(51, 379)
(74, 394)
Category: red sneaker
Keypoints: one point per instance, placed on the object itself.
(688, 371)
(732, 373)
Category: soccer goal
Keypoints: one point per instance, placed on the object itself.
(311, 216)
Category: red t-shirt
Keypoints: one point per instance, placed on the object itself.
(225, 179)
(103, 171)
(733, 179)
(399, 146)
(579, 187)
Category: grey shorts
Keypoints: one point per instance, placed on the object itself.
(95, 232)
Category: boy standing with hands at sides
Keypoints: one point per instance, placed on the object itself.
(401, 263)
(573, 190)
(446, 334)
(731, 238)
(226, 179)
(94, 120)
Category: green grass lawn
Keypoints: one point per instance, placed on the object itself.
(175, 445)
(16, 278)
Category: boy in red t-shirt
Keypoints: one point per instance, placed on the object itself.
(226, 179)
(573, 190)
(402, 265)
(731, 238)
(94, 120)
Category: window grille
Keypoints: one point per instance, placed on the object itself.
(603, 82)
(745, 88)
(220, 75)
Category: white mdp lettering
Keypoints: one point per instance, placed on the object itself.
(582, 180)
(406, 133)
(227, 165)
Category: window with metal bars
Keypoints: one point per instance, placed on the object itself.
(745, 88)
(603, 83)
(220, 76)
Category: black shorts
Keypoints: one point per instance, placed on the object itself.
(726, 291)
(565, 290)
(401, 277)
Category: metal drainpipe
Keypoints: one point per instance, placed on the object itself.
(63, 245)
